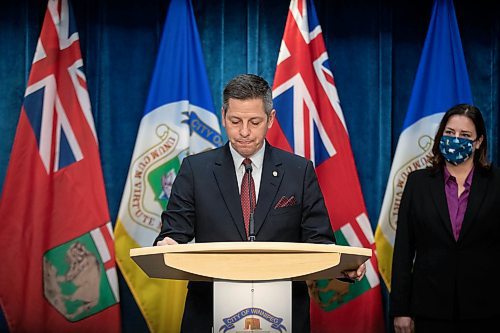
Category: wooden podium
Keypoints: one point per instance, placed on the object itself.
(252, 272)
(230, 261)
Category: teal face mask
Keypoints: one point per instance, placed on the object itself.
(455, 150)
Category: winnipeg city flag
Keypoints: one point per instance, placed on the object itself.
(57, 271)
(310, 123)
(178, 120)
(440, 83)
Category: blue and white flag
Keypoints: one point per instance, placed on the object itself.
(179, 120)
(441, 82)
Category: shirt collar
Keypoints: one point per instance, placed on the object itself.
(448, 176)
(257, 158)
(468, 180)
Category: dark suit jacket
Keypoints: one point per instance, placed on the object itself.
(205, 204)
(447, 275)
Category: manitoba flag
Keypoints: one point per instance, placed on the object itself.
(310, 123)
(58, 264)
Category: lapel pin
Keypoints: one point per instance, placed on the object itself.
(275, 173)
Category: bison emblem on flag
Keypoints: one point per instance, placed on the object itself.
(75, 277)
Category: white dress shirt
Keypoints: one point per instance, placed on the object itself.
(257, 161)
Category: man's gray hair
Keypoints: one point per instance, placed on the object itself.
(248, 86)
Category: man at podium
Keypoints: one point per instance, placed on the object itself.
(246, 190)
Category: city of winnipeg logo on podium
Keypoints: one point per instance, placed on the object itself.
(250, 322)
(75, 277)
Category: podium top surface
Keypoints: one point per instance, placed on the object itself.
(248, 261)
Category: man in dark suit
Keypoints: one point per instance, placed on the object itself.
(205, 203)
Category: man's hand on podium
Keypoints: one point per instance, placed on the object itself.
(166, 241)
(356, 274)
(404, 325)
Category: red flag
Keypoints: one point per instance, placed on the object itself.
(58, 263)
(310, 123)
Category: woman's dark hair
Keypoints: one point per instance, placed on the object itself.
(473, 113)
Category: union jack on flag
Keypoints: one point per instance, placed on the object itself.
(59, 273)
(310, 123)
(49, 99)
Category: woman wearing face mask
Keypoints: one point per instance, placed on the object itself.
(448, 235)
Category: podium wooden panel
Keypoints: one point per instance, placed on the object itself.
(248, 261)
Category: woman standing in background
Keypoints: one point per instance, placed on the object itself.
(448, 232)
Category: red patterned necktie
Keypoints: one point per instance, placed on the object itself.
(245, 196)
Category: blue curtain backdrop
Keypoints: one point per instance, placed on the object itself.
(374, 49)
